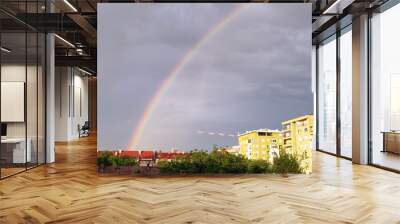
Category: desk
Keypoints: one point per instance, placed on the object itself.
(13, 150)
(391, 141)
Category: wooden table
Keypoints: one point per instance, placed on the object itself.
(391, 141)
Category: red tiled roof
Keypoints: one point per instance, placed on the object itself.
(134, 154)
(164, 155)
(171, 155)
(147, 154)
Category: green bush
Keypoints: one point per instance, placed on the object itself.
(118, 161)
(204, 162)
(222, 162)
(230, 163)
(104, 159)
(259, 166)
(286, 163)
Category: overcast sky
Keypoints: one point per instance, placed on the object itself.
(253, 73)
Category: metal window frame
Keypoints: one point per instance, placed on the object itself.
(44, 75)
(387, 5)
(339, 32)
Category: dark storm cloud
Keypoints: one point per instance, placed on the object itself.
(253, 73)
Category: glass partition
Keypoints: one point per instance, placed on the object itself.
(22, 91)
(385, 89)
(327, 95)
(14, 155)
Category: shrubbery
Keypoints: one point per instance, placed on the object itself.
(123, 161)
(259, 166)
(204, 162)
(286, 163)
(223, 162)
(105, 159)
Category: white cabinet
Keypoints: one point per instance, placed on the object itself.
(18, 146)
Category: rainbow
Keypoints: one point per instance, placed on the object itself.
(167, 82)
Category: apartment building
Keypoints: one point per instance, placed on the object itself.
(298, 134)
(298, 138)
(260, 144)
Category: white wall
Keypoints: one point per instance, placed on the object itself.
(71, 102)
(16, 73)
(33, 127)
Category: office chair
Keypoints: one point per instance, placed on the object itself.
(84, 130)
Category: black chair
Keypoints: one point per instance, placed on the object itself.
(84, 130)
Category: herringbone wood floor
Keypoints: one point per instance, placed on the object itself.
(71, 191)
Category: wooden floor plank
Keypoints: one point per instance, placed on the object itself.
(71, 191)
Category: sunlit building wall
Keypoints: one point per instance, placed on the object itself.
(298, 138)
(260, 144)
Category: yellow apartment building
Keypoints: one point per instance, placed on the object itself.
(298, 137)
(260, 144)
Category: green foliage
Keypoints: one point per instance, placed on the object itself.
(118, 161)
(228, 163)
(286, 163)
(259, 166)
(204, 162)
(104, 159)
(107, 159)
(218, 161)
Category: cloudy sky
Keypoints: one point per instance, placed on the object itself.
(254, 72)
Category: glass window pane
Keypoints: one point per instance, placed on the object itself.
(41, 98)
(385, 87)
(13, 86)
(31, 97)
(346, 94)
(327, 96)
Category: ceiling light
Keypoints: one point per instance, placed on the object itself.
(70, 5)
(84, 71)
(5, 50)
(65, 41)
